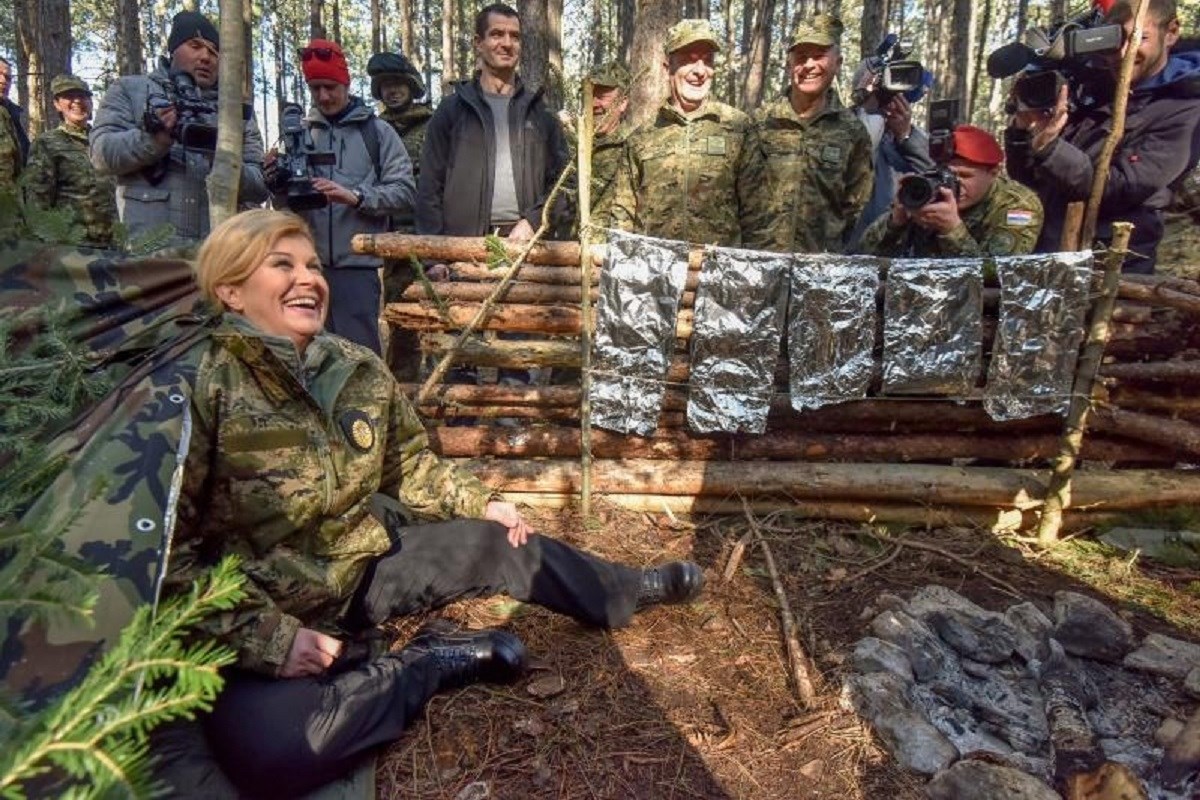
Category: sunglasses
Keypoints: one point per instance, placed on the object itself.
(320, 53)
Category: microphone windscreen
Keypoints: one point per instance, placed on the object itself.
(1009, 59)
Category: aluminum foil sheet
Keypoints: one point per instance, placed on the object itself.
(831, 329)
(740, 305)
(1043, 309)
(640, 288)
(933, 321)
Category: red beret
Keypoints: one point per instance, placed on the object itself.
(977, 145)
(323, 60)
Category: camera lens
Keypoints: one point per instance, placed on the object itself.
(915, 191)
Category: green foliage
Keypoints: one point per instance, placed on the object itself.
(94, 737)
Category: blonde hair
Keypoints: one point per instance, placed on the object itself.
(235, 248)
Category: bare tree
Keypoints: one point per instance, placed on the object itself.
(44, 38)
(376, 28)
(406, 28)
(874, 26)
(985, 22)
(129, 37)
(759, 55)
(226, 173)
(535, 42)
(649, 89)
(449, 16)
(731, 72)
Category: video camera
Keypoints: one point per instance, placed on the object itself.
(193, 128)
(921, 189)
(888, 72)
(1065, 53)
(292, 169)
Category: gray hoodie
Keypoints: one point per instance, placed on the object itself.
(120, 146)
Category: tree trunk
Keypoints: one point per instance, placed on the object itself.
(554, 15)
(626, 19)
(44, 36)
(248, 49)
(759, 55)
(377, 43)
(874, 26)
(649, 89)
(129, 38)
(597, 54)
(449, 71)
(978, 65)
(954, 48)
(731, 71)
(316, 26)
(407, 32)
(1022, 17)
(427, 42)
(1058, 11)
(337, 21)
(535, 43)
(224, 177)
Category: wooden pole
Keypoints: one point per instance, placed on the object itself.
(1058, 489)
(587, 125)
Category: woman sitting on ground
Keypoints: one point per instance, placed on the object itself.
(299, 439)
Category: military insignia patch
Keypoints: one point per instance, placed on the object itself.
(716, 145)
(1019, 217)
(831, 153)
(359, 431)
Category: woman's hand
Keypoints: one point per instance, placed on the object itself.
(508, 516)
(312, 653)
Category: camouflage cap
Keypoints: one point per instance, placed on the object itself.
(68, 83)
(690, 31)
(822, 29)
(611, 73)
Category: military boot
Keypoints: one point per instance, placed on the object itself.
(465, 657)
(670, 583)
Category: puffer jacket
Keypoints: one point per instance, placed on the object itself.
(385, 191)
(285, 455)
(120, 146)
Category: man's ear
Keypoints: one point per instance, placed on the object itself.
(230, 297)
(1171, 36)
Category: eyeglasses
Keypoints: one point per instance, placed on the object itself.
(322, 53)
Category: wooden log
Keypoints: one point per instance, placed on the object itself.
(561, 442)
(1154, 371)
(518, 292)
(1183, 436)
(1178, 401)
(458, 248)
(892, 483)
(1160, 295)
(558, 320)
(504, 353)
(1072, 741)
(1185, 285)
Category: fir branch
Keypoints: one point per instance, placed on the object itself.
(95, 734)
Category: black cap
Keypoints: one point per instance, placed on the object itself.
(394, 65)
(188, 25)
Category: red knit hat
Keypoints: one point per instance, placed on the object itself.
(977, 145)
(323, 60)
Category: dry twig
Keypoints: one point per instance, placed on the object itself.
(999, 583)
(735, 557)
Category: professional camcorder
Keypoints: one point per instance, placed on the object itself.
(193, 125)
(1073, 53)
(887, 73)
(921, 188)
(292, 170)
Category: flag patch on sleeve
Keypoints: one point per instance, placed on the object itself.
(1019, 217)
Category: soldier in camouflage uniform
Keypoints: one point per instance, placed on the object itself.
(696, 172)
(818, 153)
(396, 84)
(14, 144)
(1179, 250)
(610, 99)
(60, 173)
(991, 214)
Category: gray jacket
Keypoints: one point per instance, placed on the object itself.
(390, 189)
(120, 146)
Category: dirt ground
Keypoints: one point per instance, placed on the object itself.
(695, 701)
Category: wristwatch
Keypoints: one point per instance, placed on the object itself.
(358, 198)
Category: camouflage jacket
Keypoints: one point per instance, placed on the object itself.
(284, 457)
(410, 124)
(11, 158)
(1181, 229)
(696, 179)
(820, 171)
(60, 174)
(607, 154)
(1006, 222)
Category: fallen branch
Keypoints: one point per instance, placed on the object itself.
(999, 583)
(735, 557)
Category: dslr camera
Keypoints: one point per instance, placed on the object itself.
(193, 126)
(292, 170)
(1068, 53)
(888, 72)
(921, 188)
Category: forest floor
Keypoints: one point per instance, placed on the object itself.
(694, 701)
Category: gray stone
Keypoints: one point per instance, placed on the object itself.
(1162, 655)
(960, 727)
(926, 652)
(875, 695)
(1086, 627)
(1191, 683)
(1168, 732)
(914, 743)
(1032, 630)
(876, 655)
(981, 638)
(931, 599)
(978, 780)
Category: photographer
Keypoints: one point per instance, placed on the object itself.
(370, 179)
(140, 125)
(987, 215)
(1054, 150)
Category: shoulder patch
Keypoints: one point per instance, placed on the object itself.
(1019, 217)
(359, 431)
(831, 154)
(715, 146)
(1002, 243)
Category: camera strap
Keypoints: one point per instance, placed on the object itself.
(370, 135)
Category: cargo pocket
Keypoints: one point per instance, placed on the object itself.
(144, 206)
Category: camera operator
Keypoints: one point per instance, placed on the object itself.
(1054, 150)
(989, 214)
(137, 136)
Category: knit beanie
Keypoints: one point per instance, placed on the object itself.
(190, 25)
(323, 60)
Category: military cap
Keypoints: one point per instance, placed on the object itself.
(690, 31)
(977, 145)
(821, 29)
(612, 73)
(68, 83)
(394, 65)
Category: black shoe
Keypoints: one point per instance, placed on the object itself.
(464, 657)
(674, 582)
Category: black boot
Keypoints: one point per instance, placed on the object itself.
(464, 657)
(673, 582)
